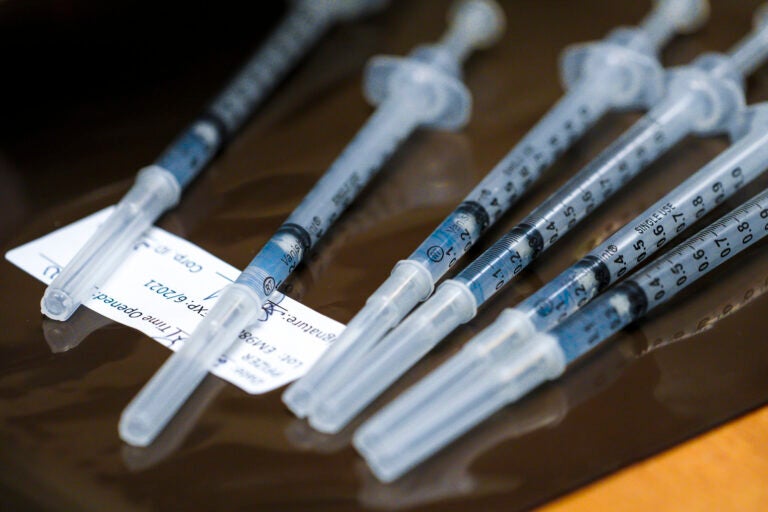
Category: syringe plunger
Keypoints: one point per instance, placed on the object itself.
(670, 16)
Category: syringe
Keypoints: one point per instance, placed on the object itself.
(446, 404)
(423, 89)
(620, 72)
(703, 98)
(158, 187)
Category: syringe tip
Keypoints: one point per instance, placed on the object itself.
(368, 447)
(57, 304)
(298, 399)
(481, 21)
(331, 419)
(686, 15)
(135, 430)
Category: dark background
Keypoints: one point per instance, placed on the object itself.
(92, 91)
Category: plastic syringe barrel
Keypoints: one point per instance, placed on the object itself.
(437, 410)
(620, 72)
(189, 154)
(423, 89)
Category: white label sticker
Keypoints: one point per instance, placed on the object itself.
(166, 286)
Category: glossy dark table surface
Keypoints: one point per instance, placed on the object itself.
(91, 93)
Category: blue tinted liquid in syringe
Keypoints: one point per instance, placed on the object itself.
(665, 278)
(568, 120)
(206, 136)
(393, 121)
(638, 240)
(625, 158)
